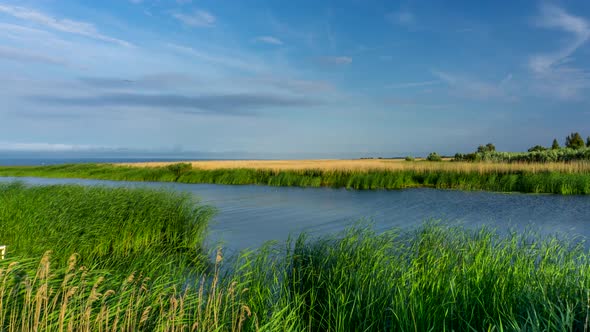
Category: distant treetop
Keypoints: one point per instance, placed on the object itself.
(487, 148)
(574, 141)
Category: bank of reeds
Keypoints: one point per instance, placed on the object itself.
(557, 178)
(433, 279)
(107, 227)
(368, 165)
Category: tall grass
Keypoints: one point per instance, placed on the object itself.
(441, 279)
(572, 180)
(433, 279)
(106, 227)
(436, 278)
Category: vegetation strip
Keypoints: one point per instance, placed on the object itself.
(112, 228)
(531, 178)
(116, 263)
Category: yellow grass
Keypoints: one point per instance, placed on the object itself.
(379, 164)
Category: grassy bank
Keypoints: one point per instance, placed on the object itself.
(116, 229)
(566, 179)
(434, 279)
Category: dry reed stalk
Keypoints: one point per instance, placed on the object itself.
(366, 165)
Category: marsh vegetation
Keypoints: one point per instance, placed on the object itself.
(557, 178)
(433, 278)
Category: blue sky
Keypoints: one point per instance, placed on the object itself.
(321, 78)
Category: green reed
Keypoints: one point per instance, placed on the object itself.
(501, 181)
(107, 227)
(435, 278)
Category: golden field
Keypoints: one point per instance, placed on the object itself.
(378, 164)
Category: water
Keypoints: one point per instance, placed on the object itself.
(248, 216)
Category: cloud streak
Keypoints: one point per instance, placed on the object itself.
(403, 17)
(551, 73)
(557, 18)
(470, 88)
(155, 81)
(198, 18)
(234, 62)
(413, 84)
(44, 147)
(296, 86)
(64, 25)
(269, 40)
(229, 104)
(335, 60)
(19, 55)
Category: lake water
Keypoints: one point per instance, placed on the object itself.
(251, 215)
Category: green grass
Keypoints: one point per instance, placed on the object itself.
(501, 181)
(107, 227)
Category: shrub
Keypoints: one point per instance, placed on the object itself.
(410, 158)
(433, 156)
(179, 168)
(537, 148)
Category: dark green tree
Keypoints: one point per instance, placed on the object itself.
(588, 141)
(486, 148)
(574, 141)
(555, 145)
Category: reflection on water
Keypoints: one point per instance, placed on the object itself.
(251, 215)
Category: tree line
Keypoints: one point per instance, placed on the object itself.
(572, 141)
(574, 149)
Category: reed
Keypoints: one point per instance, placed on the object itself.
(435, 278)
(555, 178)
(369, 165)
(110, 228)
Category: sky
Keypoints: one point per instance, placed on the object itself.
(346, 78)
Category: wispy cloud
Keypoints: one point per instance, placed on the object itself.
(228, 104)
(471, 88)
(412, 84)
(296, 86)
(562, 82)
(506, 79)
(44, 147)
(64, 25)
(234, 61)
(154, 81)
(198, 18)
(402, 17)
(555, 17)
(553, 73)
(335, 60)
(269, 40)
(28, 56)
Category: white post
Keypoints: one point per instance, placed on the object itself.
(2, 252)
